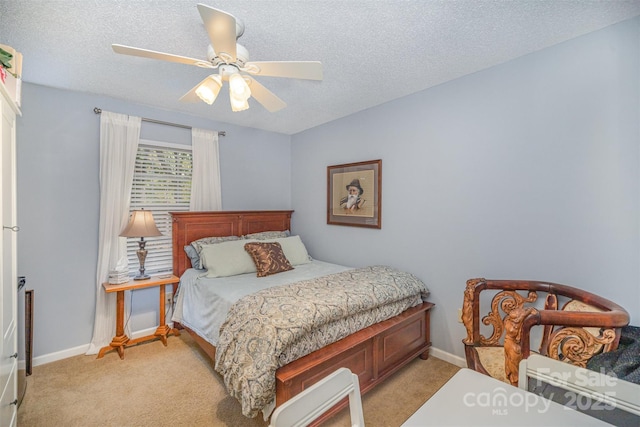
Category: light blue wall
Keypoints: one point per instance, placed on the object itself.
(58, 201)
(527, 170)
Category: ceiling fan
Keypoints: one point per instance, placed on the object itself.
(232, 61)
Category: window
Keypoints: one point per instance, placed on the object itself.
(161, 184)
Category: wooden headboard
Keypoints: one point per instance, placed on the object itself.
(190, 226)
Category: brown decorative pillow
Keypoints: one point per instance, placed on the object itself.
(268, 257)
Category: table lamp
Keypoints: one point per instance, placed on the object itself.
(141, 225)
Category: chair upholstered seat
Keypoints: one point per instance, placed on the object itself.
(492, 359)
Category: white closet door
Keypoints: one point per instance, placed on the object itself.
(8, 268)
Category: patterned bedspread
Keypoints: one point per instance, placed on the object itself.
(268, 329)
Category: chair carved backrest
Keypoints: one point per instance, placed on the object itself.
(586, 325)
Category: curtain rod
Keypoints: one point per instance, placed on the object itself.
(160, 122)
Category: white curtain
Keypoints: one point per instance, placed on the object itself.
(119, 137)
(206, 194)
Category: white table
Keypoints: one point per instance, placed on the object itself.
(473, 399)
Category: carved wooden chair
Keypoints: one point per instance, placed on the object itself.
(584, 325)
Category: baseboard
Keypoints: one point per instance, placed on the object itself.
(448, 357)
(59, 355)
(80, 350)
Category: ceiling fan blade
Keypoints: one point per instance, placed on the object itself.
(310, 70)
(264, 96)
(191, 95)
(145, 53)
(221, 28)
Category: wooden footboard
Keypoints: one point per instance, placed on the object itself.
(373, 354)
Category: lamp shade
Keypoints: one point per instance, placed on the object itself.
(239, 92)
(208, 91)
(141, 224)
(238, 104)
(238, 87)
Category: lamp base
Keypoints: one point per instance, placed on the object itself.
(142, 255)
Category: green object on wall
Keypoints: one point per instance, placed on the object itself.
(5, 58)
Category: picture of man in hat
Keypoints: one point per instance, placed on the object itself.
(353, 200)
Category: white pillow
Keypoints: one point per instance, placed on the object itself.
(227, 259)
(293, 249)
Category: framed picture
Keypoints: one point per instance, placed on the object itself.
(354, 194)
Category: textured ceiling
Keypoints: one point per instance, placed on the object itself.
(371, 51)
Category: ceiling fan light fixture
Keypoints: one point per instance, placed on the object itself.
(239, 92)
(238, 104)
(238, 87)
(208, 91)
(230, 58)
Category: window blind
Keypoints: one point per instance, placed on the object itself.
(161, 184)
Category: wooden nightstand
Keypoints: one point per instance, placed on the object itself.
(121, 340)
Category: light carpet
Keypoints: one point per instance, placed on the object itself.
(177, 386)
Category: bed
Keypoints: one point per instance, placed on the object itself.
(373, 353)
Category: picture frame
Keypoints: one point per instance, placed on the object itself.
(354, 194)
